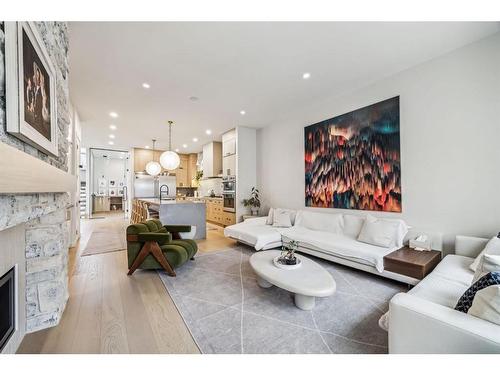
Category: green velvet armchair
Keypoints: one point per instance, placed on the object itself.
(151, 245)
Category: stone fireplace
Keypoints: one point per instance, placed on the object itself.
(7, 306)
(38, 250)
(34, 230)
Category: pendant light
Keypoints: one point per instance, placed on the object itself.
(153, 168)
(169, 159)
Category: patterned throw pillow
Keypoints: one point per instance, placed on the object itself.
(465, 302)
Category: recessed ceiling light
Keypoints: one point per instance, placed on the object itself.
(208, 131)
(112, 136)
(184, 145)
(176, 150)
(306, 75)
(242, 113)
(146, 146)
(195, 139)
(113, 114)
(146, 85)
(112, 127)
(111, 143)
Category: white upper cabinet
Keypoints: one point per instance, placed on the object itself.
(229, 147)
(229, 143)
(212, 159)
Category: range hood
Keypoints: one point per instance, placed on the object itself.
(211, 163)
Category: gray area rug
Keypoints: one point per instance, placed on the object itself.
(227, 312)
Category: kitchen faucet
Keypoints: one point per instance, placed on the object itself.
(161, 191)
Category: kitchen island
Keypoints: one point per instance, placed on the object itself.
(180, 212)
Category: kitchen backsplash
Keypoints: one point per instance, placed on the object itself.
(209, 184)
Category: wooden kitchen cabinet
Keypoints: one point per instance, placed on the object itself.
(192, 169)
(215, 212)
(182, 172)
(228, 218)
(141, 158)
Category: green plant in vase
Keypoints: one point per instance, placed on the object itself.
(196, 180)
(288, 253)
(253, 202)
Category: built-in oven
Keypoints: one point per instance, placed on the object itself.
(229, 202)
(229, 193)
(229, 184)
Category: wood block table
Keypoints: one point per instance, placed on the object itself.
(412, 263)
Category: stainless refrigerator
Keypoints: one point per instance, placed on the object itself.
(146, 186)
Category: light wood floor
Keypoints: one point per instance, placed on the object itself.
(110, 312)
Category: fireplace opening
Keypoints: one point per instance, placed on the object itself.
(7, 308)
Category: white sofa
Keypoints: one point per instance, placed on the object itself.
(328, 236)
(423, 320)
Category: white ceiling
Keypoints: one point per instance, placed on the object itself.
(256, 67)
(104, 153)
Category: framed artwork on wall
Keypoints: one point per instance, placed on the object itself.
(30, 87)
(352, 161)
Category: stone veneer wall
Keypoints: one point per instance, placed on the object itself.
(43, 215)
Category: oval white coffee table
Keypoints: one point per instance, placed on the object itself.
(307, 282)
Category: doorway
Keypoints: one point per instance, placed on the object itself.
(107, 183)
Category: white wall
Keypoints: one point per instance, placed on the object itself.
(246, 167)
(450, 142)
(111, 169)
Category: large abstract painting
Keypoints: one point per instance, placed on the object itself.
(352, 161)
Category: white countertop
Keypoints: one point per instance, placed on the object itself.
(169, 202)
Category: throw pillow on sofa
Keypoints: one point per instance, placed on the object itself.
(353, 225)
(492, 248)
(486, 304)
(323, 222)
(269, 220)
(465, 302)
(487, 263)
(281, 219)
(401, 231)
(272, 212)
(378, 232)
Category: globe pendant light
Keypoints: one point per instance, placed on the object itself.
(153, 168)
(169, 159)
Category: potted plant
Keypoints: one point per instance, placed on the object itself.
(287, 256)
(253, 202)
(196, 180)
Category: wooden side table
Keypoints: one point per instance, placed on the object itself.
(412, 263)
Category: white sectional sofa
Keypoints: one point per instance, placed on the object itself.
(329, 236)
(424, 320)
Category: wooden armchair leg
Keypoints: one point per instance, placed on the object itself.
(151, 247)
